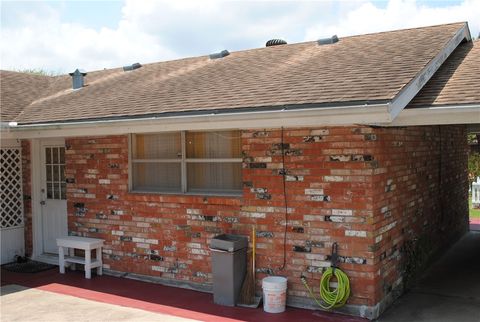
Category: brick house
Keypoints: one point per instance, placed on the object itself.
(360, 142)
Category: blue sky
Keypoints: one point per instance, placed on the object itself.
(95, 14)
(62, 35)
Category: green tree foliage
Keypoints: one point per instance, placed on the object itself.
(38, 71)
(473, 166)
(472, 138)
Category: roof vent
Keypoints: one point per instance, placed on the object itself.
(221, 54)
(77, 78)
(275, 42)
(131, 67)
(328, 41)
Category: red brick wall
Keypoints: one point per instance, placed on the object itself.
(328, 183)
(27, 196)
(151, 234)
(168, 235)
(421, 199)
(343, 184)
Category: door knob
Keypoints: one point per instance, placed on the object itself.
(42, 202)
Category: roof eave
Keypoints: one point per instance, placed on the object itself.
(408, 92)
(438, 115)
(307, 117)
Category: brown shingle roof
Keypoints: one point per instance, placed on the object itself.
(456, 82)
(366, 68)
(18, 90)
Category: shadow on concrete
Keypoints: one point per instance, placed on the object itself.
(449, 290)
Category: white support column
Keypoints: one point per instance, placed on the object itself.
(476, 193)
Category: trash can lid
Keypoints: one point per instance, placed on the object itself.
(229, 242)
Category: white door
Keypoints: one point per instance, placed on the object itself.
(54, 201)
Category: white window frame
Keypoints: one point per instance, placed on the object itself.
(183, 166)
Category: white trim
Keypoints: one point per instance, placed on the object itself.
(131, 147)
(456, 114)
(35, 165)
(183, 164)
(224, 160)
(415, 85)
(156, 160)
(359, 114)
(53, 142)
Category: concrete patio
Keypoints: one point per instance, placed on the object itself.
(449, 290)
(38, 304)
(52, 296)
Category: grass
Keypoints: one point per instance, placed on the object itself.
(474, 213)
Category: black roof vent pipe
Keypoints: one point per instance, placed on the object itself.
(328, 41)
(131, 67)
(275, 42)
(77, 78)
(221, 54)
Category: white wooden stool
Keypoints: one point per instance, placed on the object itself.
(87, 244)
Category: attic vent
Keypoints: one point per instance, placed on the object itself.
(221, 54)
(77, 78)
(275, 42)
(131, 67)
(327, 41)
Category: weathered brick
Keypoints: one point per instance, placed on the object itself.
(356, 233)
(314, 191)
(166, 230)
(342, 212)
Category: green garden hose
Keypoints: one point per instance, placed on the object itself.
(331, 297)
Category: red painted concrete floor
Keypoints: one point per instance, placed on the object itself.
(474, 223)
(157, 298)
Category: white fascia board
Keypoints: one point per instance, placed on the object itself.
(453, 114)
(407, 93)
(359, 114)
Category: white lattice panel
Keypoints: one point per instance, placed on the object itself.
(11, 203)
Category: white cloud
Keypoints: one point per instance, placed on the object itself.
(37, 37)
(399, 14)
(44, 42)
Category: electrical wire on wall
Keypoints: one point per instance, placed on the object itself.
(283, 172)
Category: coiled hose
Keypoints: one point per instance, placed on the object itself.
(331, 297)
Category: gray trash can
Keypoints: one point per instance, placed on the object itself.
(229, 263)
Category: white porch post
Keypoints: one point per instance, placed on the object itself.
(476, 193)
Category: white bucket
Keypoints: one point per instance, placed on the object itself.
(274, 294)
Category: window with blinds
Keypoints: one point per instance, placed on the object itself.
(187, 162)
